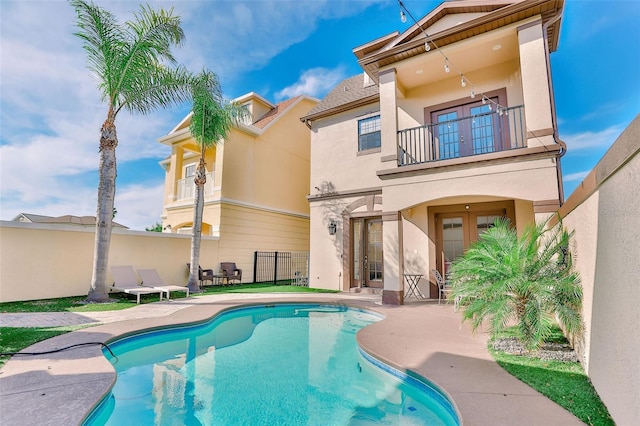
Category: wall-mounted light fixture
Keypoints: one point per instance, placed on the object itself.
(167, 228)
(332, 227)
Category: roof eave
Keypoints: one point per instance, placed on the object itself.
(370, 63)
(341, 108)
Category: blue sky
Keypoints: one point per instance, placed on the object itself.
(50, 111)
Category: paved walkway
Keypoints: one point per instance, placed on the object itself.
(148, 310)
(427, 338)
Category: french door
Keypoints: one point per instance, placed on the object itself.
(367, 256)
(457, 230)
(467, 130)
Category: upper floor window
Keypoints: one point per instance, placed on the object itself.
(189, 170)
(369, 133)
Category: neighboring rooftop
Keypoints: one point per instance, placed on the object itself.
(84, 221)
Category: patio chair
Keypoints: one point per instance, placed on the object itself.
(150, 278)
(230, 272)
(125, 281)
(444, 291)
(203, 275)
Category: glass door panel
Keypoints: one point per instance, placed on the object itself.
(483, 223)
(448, 135)
(357, 255)
(482, 129)
(373, 256)
(453, 241)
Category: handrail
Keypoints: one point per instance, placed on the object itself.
(461, 137)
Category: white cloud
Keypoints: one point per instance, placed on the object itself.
(139, 206)
(313, 82)
(51, 111)
(588, 140)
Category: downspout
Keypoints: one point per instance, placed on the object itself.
(556, 137)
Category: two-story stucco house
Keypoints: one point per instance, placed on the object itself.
(257, 182)
(450, 125)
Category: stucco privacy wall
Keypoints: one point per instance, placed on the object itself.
(605, 213)
(42, 261)
(246, 229)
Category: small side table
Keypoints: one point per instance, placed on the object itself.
(412, 281)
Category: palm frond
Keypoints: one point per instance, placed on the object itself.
(103, 40)
(212, 116)
(158, 87)
(503, 277)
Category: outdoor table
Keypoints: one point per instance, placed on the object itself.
(412, 281)
(217, 279)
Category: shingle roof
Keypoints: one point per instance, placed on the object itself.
(263, 121)
(347, 92)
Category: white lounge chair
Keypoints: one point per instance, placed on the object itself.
(150, 278)
(124, 280)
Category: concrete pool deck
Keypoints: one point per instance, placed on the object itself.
(427, 338)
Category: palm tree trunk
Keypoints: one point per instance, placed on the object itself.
(104, 217)
(200, 179)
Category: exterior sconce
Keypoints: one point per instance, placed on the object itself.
(332, 227)
(167, 229)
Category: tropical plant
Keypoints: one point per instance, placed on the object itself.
(130, 62)
(212, 118)
(157, 227)
(528, 280)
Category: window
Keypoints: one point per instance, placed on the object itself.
(369, 133)
(189, 170)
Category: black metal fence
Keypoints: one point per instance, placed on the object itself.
(281, 267)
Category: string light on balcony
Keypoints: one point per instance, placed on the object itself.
(403, 19)
(448, 65)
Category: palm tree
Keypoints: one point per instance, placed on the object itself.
(128, 61)
(528, 280)
(211, 120)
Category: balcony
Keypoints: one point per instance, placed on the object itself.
(490, 131)
(186, 188)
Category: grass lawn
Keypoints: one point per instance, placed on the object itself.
(15, 339)
(124, 301)
(565, 383)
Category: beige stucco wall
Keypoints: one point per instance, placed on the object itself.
(507, 181)
(503, 75)
(271, 169)
(334, 149)
(245, 229)
(605, 215)
(43, 261)
(325, 268)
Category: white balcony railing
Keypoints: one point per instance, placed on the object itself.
(186, 188)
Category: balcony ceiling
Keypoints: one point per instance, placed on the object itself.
(465, 57)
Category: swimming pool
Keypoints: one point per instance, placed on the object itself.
(275, 364)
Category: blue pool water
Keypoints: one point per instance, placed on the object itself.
(272, 365)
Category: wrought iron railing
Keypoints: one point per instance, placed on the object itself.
(186, 188)
(479, 134)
